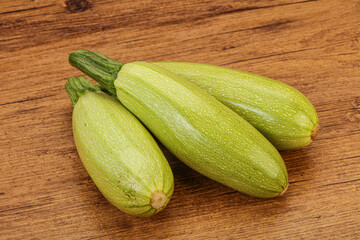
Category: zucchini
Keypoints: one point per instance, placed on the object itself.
(120, 155)
(280, 112)
(199, 130)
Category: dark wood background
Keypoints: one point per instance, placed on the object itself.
(45, 192)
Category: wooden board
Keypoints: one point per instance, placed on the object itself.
(45, 192)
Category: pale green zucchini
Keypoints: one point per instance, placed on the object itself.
(193, 125)
(120, 155)
(280, 112)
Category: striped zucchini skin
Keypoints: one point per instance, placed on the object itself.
(200, 131)
(121, 156)
(280, 112)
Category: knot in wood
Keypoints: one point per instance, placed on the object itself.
(74, 6)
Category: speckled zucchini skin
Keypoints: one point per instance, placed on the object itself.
(280, 112)
(120, 155)
(200, 131)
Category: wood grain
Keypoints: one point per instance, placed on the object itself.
(45, 192)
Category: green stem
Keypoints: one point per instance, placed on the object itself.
(99, 67)
(78, 86)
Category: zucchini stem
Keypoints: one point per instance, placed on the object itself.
(78, 86)
(99, 67)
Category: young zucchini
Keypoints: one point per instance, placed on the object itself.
(280, 112)
(120, 155)
(194, 126)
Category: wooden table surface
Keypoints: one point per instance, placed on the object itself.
(45, 192)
